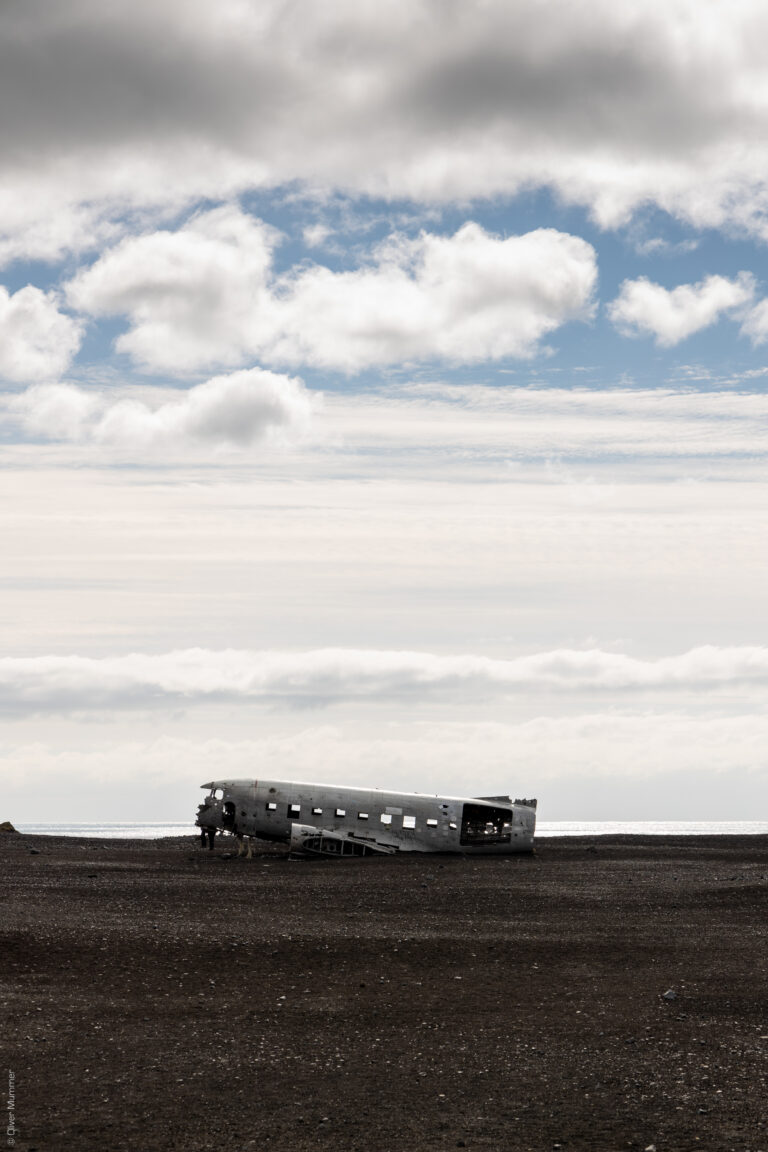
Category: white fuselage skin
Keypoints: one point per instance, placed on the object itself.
(401, 821)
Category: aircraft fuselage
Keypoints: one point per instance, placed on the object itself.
(330, 820)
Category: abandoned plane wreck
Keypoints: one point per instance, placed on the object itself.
(327, 820)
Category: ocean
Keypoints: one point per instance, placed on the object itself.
(144, 831)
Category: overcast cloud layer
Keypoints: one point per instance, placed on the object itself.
(156, 104)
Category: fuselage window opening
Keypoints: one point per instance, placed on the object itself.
(481, 824)
(431, 823)
(341, 811)
(271, 807)
(453, 824)
(385, 818)
(317, 811)
(228, 815)
(294, 809)
(362, 815)
(409, 821)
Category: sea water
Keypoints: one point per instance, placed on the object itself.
(112, 831)
(144, 831)
(652, 827)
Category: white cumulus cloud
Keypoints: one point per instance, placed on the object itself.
(645, 308)
(205, 295)
(462, 298)
(755, 324)
(237, 410)
(37, 341)
(195, 298)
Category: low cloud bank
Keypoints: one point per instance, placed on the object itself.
(235, 411)
(332, 675)
(595, 765)
(486, 424)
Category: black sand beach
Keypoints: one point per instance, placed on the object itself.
(159, 997)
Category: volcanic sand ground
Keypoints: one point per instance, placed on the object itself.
(160, 997)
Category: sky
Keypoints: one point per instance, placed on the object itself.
(383, 402)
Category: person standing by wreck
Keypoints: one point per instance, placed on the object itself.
(207, 831)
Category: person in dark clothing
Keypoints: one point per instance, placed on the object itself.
(211, 835)
(203, 837)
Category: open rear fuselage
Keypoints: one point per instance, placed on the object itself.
(330, 820)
